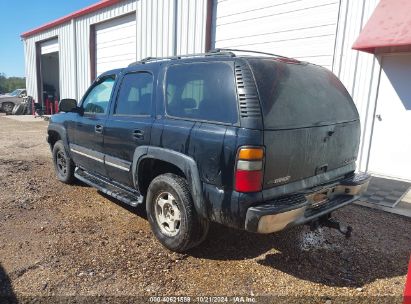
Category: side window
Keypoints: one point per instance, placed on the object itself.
(203, 91)
(135, 95)
(97, 100)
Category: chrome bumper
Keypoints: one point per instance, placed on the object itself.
(301, 208)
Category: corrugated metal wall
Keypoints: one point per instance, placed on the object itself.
(155, 28)
(74, 55)
(66, 59)
(164, 28)
(191, 26)
(319, 31)
(303, 29)
(170, 27)
(358, 71)
(83, 39)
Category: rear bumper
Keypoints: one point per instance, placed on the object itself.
(300, 208)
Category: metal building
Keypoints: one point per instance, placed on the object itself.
(68, 53)
(324, 32)
(65, 55)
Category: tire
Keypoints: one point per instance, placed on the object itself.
(169, 201)
(7, 107)
(63, 164)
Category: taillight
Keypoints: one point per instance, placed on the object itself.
(249, 170)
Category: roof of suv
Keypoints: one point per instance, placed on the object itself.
(256, 77)
(217, 54)
(213, 55)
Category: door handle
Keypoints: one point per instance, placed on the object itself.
(378, 117)
(138, 134)
(98, 129)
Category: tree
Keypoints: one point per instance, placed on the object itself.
(9, 84)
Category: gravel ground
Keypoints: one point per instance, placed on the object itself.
(59, 240)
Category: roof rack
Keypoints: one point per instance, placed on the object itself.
(215, 52)
(248, 51)
(211, 53)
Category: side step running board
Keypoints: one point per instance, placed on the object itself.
(123, 195)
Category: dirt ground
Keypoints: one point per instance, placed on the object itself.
(60, 240)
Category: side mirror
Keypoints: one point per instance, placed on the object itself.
(68, 105)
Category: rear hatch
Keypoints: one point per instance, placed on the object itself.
(311, 125)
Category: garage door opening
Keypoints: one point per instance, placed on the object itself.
(49, 75)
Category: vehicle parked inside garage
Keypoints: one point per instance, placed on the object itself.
(9, 100)
(252, 142)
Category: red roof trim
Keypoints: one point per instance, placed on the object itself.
(87, 10)
(389, 27)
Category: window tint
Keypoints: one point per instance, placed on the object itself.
(135, 95)
(98, 98)
(300, 95)
(203, 91)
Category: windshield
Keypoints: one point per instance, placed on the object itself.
(300, 95)
(16, 92)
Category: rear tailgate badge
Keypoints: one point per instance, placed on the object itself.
(279, 180)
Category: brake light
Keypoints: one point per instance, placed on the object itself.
(249, 170)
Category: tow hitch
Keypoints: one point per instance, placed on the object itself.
(327, 221)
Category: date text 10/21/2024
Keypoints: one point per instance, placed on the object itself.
(200, 299)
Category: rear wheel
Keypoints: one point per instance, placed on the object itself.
(7, 107)
(172, 215)
(63, 164)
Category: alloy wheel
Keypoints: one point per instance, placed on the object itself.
(61, 163)
(167, 214)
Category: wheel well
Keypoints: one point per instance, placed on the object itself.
(53, 138)
(150, 168)
(7, 102)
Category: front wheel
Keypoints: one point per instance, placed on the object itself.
(63, 164)
(7, 107)
(172, 215)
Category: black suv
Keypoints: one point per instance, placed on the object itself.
(252, 142)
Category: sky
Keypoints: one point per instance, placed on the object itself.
(18, 16)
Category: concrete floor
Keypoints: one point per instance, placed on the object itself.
(25, 118)
(401, 207)
(407, 198)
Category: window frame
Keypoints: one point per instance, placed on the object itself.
(118, 94)
(96, 83)
(164, 91)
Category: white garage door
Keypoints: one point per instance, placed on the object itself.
(50, 46)
(303, 29)
(115, 43)
(391, 141)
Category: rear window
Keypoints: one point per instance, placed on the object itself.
(300, 95)
(204, 91)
